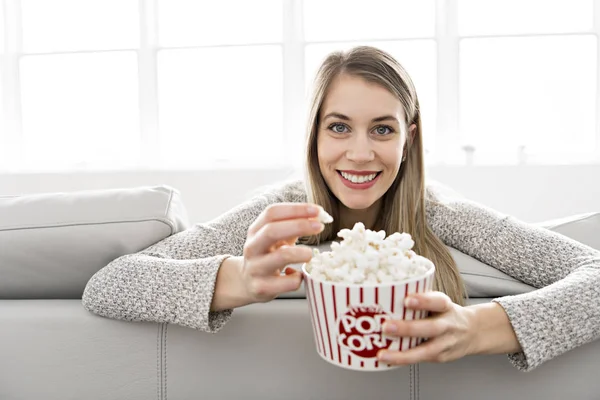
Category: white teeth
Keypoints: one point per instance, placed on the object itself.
(358, 178)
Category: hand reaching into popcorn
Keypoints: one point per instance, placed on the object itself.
(260, 274)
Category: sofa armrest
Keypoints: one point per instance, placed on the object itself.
(52, 244)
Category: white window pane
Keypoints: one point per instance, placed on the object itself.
(476, 17)
(73, 25)
(3, 127)
(80, 110)
(220, 104)
(196, 23)
(2, 25)
(339, 20)
(418, 57)
(538, 92)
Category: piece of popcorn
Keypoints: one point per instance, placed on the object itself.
(365, 256)
(324, 217)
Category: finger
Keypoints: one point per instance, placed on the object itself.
(275, 232)
(435, 351)
(274, 262)
(287, 283)
(422, 328)
(283, 211)
(270, 287)
(290, 270)
(437, 302)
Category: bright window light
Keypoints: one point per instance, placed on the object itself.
(75, 25)
(537, 92)
(221, 104)
(342, 20)
(80, 110)
(508, 17)
(223, 22)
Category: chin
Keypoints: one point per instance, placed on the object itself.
(356, 204)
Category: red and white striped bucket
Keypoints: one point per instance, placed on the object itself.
(347, 319)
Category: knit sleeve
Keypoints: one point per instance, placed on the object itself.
(564, 312)
(173, 281)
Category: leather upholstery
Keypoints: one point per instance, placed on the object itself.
(51, 244)
(55, 350)
(51, 348)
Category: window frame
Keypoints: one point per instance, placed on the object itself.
(447, 135)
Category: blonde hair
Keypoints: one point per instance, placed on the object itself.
(403, 208)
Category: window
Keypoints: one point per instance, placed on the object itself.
(211, 109)
(188, 23)
(518, 17)
(544, 91)
(110, 84)
(79, 109)
(3, 125)
(69, 25)
(528, 79)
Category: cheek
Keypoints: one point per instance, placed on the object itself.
(391, 155)
(320, 149)
(328, 152)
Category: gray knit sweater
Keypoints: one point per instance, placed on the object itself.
(173, 280)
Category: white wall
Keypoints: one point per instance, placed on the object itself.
(531, 193)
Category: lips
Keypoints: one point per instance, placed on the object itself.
(360, 173)
(356, 181)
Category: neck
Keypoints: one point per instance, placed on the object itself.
(368, 216)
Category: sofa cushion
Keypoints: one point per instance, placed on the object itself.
(584, 228)
(484, 281)
(51, 244)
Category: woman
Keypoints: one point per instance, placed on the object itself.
(365, 163)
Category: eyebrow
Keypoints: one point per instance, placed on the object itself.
(346, 118)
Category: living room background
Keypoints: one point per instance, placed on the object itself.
(210, 97)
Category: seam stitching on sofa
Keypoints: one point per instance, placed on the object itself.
(161, 369)
(415, 383)
(165, 360)
(410, 380)
(491, 277)
(158, 363)
(561, 224)
(164, 221)
(418, 383)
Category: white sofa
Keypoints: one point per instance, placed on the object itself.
(51, 348)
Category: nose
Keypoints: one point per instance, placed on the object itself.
(360, 149)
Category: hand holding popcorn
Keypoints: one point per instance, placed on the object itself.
(271, 246)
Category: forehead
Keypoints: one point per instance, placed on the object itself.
(358, 99)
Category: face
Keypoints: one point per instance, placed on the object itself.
(360, 140)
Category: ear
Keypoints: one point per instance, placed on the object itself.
(412, 131)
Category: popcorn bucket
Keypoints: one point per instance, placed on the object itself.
(347, 319)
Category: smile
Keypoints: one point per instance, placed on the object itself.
(359, 179)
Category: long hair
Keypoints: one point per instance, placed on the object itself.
(403, 208)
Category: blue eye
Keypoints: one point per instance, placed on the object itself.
(336, 128)
(383, 130)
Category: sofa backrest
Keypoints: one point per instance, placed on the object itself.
(485, 281)
(51, 244)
